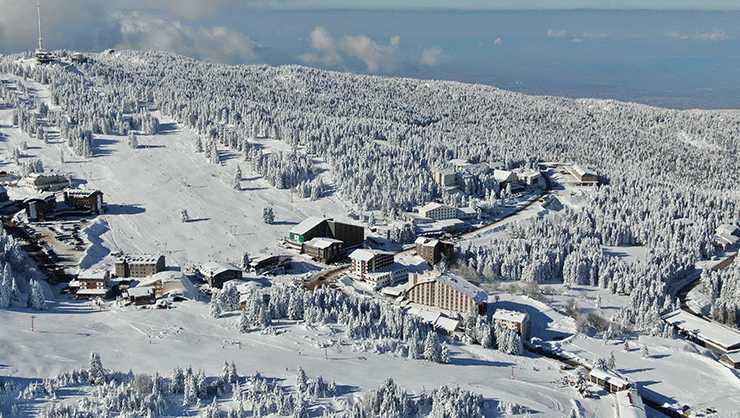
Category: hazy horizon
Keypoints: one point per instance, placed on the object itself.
(669, 58)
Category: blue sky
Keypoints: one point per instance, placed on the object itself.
(672, 58)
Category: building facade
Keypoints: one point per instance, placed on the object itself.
(368, 261)
(139, 265)
(438, 211)
(216, 273)
(38, 207)
(513, 320)
(325, 250)
(91, 200)
(445, 291)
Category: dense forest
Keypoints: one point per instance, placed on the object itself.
(666, 182)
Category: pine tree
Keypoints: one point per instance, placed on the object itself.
(184, 217)
(199, 145)
(237, 184)
(644, 351)
(6, 288)
(301, 381)
(432, 348)
(36, 300)
(245, 261)
(244, 326)
(132, 141)
(214, 308)
(178, 380)
(611, 362)
(95, 371)
(268, 216)
(190, 394)
(444, 356)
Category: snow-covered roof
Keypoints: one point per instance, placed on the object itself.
(582, 170)
(426, 241)
(503, 175)
(80, 193)
(139, 291)
(447, 172)
(510, 316)
(40, 196)
(727, 229)
(213, 268)
(630, 404)
(307, 225)
(726, 239)
(719, 335)
(464, 286)
(140, 258)
(93, 275)
(431, 206)
(425, 315)
(734, 356)
(93, 292)
(467, 210)
(322, 243)
(609, 377)
(364, 254)
(448, 324)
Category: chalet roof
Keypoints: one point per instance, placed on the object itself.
(307, 225)
(323, 243)
(213, 268)
(93, 275)
(582, 170)
(510, 316)
(464, 286)
(503, 175)
(448, 324)
(609, 377)
(719, 335)
(734, 356)
(364, 254)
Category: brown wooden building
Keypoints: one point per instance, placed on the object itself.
(91, 200)
(216, 274)
(325, 250)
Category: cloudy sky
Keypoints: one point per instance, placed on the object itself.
(676, 53)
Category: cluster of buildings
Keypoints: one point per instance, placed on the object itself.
(325, 239)
(44, 206)
(453, 178)
(377, 268)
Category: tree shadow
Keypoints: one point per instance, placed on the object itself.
(165, 128)
(116, 209)
(467, 361)
(645, 369)
(285, 223)
(191, 220)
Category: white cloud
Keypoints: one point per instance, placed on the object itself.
(376, 56)
(673, 34)
(717, 35)
(498, 41)
(559, 34)
(214, 44)
(576, 40)
(431, 56)
(594, 35)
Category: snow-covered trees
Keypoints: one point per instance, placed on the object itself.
(268, 216)
(184, 217)
(133, 142)
(95, 371)
(36, 299)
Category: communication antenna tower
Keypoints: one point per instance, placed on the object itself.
(41, 39)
